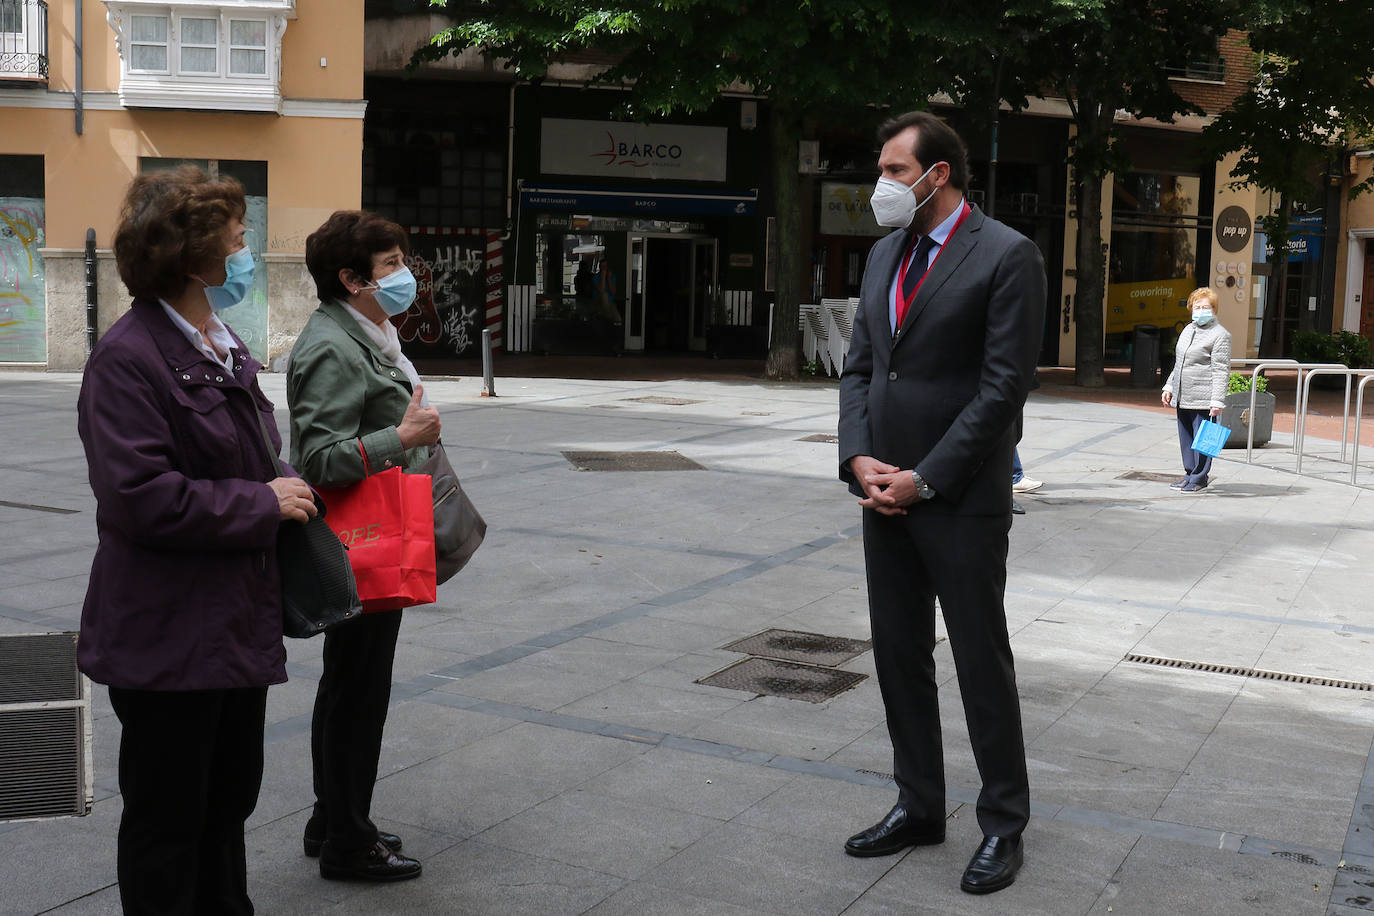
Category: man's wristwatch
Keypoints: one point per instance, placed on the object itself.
(923, 489)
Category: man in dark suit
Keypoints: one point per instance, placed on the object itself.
(944, 345)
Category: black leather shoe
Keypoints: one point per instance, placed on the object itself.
(894, 833)
(993, 866)
(376, 863)
(313, 844)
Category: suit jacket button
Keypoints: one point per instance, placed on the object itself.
(892, 376)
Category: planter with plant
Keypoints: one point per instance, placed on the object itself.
(1236, 412)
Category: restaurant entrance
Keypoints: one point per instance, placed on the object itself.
(672, 287)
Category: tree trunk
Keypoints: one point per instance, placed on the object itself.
(784, 351)
(1092, 274)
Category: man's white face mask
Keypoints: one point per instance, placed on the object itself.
(894, 203)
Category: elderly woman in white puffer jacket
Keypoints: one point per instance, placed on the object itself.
(1196, 387)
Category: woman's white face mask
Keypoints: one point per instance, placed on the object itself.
(894, 203)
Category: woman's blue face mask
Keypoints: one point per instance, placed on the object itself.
(238, 279)
(394, 292)
(1203, 316)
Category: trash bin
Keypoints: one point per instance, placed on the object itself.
(1145, 356)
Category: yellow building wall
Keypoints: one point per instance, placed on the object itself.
(320, 31)
(314, 164)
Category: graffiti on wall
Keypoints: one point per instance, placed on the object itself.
(450, 298)
(23, 298)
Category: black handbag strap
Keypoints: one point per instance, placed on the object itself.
(267, 440)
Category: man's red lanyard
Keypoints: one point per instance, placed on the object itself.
(904, 302)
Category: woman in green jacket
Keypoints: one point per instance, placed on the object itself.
(357, 407)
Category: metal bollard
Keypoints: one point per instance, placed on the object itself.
(488, 382)
(92, 309)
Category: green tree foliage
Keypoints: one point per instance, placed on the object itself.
(1310, 99)
(836, 58)
(1106, 59)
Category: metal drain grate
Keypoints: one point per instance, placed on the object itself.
(1152, 476)
(797, 646)
(41, 758)
(1249, 672)
(35, 669)
(45, 728)
(784, 679)
(820, 437)
(1301, 858)
(660, 399)
(631, 461)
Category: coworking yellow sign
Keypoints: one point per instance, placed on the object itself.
(1159, 302)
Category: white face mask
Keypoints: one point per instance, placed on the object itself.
(894, 203)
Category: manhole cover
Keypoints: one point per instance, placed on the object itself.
(660, 399)
(784, 679)
(1153, 476)
(631, 461)
(796, 646)
(820, 437)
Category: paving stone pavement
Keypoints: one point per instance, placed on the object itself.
(550, 751)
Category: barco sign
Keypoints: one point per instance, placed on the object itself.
(617, 149)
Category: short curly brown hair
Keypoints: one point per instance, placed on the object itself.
(172, 225)
(348, 240)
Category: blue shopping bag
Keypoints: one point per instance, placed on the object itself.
(1211, 438)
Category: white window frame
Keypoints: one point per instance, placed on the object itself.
(178, 20)
(166, 44)
(21, 11)
(222, 90)
(266, 47)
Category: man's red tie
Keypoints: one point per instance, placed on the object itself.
(914, 270)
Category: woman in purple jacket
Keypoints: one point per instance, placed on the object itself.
(183, 613)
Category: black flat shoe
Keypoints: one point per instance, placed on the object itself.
(894, 833)
(376, 863)
(313, 845)
(993, 866)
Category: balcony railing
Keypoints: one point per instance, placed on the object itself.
(1206, 69)
(24, 40)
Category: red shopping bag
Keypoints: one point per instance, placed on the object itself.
(387, 523)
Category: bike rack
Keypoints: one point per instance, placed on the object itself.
(1359, 412)
(1259, 365)
(1306, 388)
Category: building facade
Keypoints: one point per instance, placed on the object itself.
(269, 91)
(540, 215)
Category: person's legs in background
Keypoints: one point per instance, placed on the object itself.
(1020, 483)
(1196, 466)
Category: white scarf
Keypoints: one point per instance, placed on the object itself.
(389, 342)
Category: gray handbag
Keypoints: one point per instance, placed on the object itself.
(458, 527)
